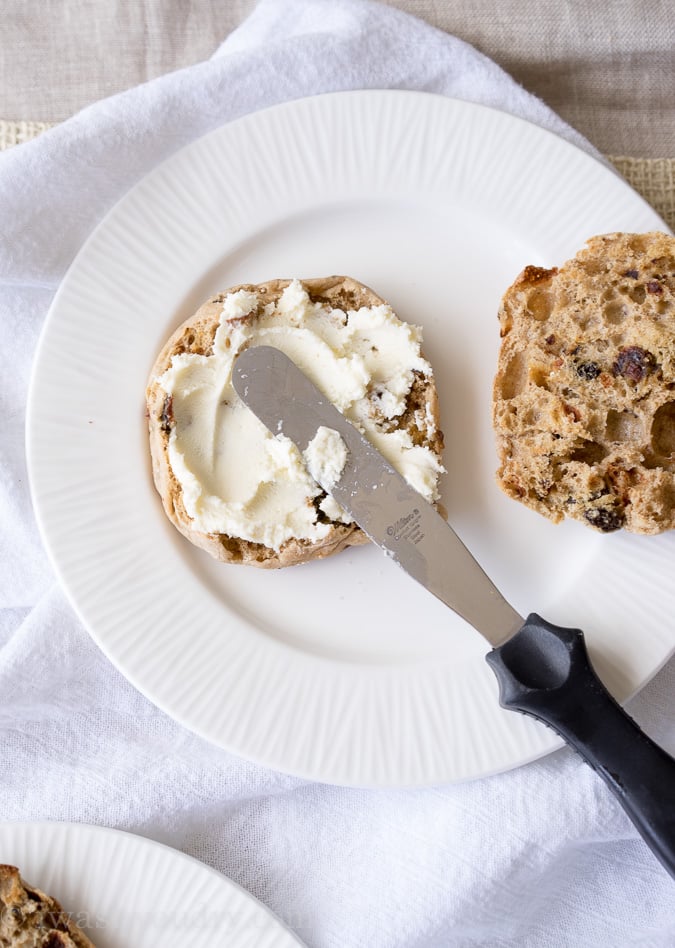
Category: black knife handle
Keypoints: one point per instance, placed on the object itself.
(544, 671)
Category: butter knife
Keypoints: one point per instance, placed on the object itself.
(543, 670)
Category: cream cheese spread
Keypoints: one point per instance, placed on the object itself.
(325, 457)
(240, 480)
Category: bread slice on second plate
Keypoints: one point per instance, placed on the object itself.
(31, 919)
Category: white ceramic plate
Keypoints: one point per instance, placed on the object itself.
(125, 890)
(345, 670)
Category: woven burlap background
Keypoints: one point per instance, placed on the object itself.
(16, 133)
(653, 178)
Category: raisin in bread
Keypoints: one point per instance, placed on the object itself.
(31, 919)
(584, 395)
(251, 311)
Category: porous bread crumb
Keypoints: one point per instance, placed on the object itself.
(31, 919)
(584, 395)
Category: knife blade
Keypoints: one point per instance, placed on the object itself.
(374, 494)
(543, 670)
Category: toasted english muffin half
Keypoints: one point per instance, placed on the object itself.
(229, 322)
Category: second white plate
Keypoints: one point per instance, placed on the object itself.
(344, 670)
(125, 890)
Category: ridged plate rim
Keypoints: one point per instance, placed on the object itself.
(294, 711)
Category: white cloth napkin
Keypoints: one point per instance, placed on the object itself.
(540, 856)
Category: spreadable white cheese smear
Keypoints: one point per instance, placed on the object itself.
(326, 456)
(240, 480)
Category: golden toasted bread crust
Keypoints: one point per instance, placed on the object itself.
(31, 919)
(584, 395)
(196, 335)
